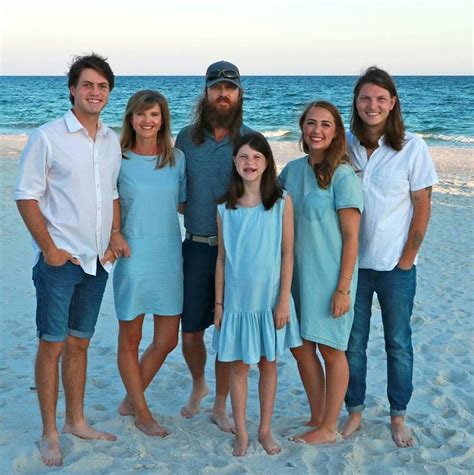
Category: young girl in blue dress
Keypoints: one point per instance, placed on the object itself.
(254, 312)
(328, 203)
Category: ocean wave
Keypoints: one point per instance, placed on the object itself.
(447, 138)
(276, 133)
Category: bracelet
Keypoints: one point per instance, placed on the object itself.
(115, 230)
(218, 303)
(343, 292)
(345, 277)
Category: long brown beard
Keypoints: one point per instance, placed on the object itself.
(215, 118)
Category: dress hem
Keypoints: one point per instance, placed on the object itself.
(147, 312)
(323, 341)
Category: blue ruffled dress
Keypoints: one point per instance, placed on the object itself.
(252, 241)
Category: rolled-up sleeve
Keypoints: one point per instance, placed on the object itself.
(31, 181)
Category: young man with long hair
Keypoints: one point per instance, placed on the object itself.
(397, 175)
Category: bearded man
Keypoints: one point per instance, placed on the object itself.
(207, 144)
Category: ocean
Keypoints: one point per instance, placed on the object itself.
(438, 108)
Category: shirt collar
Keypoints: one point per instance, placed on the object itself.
(381, 142)
(210, 134)
(73, 124)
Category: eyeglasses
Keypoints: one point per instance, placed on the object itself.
(222, 73)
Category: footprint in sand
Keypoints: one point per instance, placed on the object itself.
(297, 392)
(452, 376)
(100, 383)
(450, 413)
(448, 433)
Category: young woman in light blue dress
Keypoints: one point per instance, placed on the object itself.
(255, 318)
(146, 238)
(327, 199)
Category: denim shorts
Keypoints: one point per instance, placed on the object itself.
(67, 300)
(199, 266)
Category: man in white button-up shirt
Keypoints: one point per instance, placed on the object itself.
(65, 194)
(397, 176)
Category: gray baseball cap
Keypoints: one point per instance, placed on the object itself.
(223, 71)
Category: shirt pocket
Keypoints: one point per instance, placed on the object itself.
(390, 197)
(317, 206)
(390, 184)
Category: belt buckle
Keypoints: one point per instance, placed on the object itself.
(212, 240)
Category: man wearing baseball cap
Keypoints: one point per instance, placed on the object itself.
(207, 144)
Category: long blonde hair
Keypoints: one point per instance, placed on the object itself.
(142, 101)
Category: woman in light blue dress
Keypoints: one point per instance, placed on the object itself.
(327, 199)
(146, 237)
(255, 319)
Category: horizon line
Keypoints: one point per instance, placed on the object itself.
(246, 75)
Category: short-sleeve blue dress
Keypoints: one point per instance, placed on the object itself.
(318, 248)
(252, 241)
(151, 280)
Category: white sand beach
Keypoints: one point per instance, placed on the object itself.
(441, 411)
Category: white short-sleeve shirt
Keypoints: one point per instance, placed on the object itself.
(388, 178)
(74, 180)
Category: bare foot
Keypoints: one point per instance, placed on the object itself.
(85, 431)
(50, 450)
(352, 424)
(125, 408)
(152, 428)
(194, 402)
(222, 420)
(316, 436)
(401, 434)
(269, 444)
(241, 443)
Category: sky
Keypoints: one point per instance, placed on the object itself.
(266, 37)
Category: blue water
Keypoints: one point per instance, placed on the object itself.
(438, 108)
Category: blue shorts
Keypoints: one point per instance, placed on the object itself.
(67, 300)
(199, 266)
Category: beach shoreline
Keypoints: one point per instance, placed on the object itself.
(446, 158)
(440, 411)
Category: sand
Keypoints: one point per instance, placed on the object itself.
(440, 412)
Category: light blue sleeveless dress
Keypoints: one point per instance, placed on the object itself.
(318, 248)
(151, 280)
(252, 240)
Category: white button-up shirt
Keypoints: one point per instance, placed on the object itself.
(74, 180)
(388, 178)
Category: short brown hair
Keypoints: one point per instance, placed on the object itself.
(91, 61)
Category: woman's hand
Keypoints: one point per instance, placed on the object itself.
(109, 257)
(119, 245)
(340, 304)
(218, 311)
(281, 314)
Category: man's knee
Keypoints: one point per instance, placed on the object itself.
(192, 340)
(75, 344)
(50, 349)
